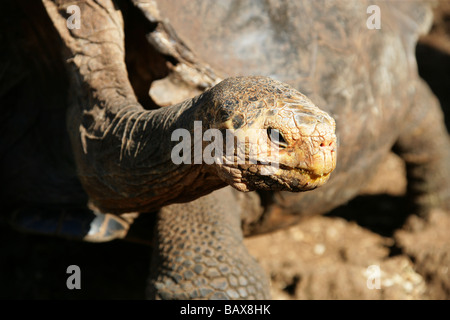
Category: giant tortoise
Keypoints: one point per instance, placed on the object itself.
(90, 114)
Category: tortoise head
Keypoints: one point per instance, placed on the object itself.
(276, 138)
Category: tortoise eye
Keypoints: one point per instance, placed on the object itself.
(277, 137)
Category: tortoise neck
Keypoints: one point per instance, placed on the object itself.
(122, 151)
(141, 162)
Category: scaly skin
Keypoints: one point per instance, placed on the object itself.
(199, 253)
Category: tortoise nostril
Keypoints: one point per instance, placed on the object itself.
(329, 144)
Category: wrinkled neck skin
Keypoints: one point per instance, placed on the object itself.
(127, 166)
(122, 151)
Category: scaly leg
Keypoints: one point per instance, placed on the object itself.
(199, 253)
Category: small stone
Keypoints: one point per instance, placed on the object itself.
(408, 286)
(319, 249)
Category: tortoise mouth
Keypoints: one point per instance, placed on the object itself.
(308, 172)
(300, 179)
(282, 178)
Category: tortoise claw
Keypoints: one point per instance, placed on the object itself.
(72, 223)
(107, 227)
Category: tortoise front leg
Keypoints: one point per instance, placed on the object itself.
(425, 147)
(199, 253)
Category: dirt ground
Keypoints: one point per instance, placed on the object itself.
(325, 257)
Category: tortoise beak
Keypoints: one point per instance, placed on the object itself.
(322, 153)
